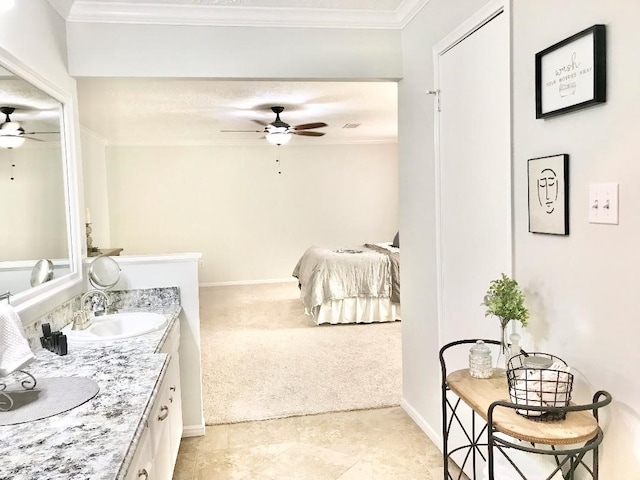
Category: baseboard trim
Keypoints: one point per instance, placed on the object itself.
(193, 431)
(434, 436)
(250, 282)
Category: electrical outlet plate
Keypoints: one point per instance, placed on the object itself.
(603, 203)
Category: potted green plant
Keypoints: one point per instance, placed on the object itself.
(505, 300)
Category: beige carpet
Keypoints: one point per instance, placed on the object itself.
(263, 358)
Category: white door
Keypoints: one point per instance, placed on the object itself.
(474, 171)
(474, 204)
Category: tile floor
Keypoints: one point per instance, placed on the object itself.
(381, 444)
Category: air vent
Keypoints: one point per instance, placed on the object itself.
(351, 125)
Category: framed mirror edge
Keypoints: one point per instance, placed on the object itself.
(33, 296)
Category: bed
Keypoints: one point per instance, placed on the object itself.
(350, 285)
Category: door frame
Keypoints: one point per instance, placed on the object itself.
(471, 25)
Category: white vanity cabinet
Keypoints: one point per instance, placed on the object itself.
(142, 464)
(157, 450)
(174, 392)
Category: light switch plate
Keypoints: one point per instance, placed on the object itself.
(603, 203)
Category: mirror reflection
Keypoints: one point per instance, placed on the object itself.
(42, 272)
(104, 272)
(33, 215)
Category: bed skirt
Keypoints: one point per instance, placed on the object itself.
(356, 310)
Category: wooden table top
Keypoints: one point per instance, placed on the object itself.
(479, 394)
(112, 252)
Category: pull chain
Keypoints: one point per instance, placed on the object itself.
(13, 165)
(278, 163)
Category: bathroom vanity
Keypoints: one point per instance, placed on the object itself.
(157, 447)
(130, 430)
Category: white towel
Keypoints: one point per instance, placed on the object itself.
(15, 353)
(542, 388)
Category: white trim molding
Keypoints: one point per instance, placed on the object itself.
(90, 11)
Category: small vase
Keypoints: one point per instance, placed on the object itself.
(503, 351)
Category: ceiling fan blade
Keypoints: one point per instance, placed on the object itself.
(307, 126)
(22, 136)
(259, 122)
(40, 133)
(251, 131)
(26, 137)
(309, 134)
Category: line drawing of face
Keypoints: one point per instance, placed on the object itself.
(548, 190)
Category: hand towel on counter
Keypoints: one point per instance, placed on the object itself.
(15, 353)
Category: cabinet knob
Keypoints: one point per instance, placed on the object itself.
(164, 412)
(143, 474)
(173, 389)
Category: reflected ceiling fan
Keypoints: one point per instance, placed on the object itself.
(12, 135)
(279, 132)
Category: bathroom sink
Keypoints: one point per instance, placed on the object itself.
(117, 326)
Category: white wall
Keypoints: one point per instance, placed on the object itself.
(232, 52)
(34, 33)
(94, 173)
(34, 221)
(250, 223)
(581, 288)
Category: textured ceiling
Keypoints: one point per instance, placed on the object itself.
(35, 110)
(187, 111)
(194, 111)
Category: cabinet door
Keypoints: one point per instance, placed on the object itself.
(142, 464)
(163, 463)
(175, 403)
(172, 381)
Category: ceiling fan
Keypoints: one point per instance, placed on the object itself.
(12, 134)
(279, 132)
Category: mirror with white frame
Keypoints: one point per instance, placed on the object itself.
(38, 185)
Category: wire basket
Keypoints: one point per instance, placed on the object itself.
(540, 380)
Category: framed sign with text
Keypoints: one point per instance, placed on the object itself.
(572, 73)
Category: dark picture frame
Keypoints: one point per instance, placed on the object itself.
(572, 74)
(548, 179)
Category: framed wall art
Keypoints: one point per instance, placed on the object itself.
(572, 73)
(549, 194)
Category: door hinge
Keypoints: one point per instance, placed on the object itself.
(437, 95)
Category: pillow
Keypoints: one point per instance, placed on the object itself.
(396, 240)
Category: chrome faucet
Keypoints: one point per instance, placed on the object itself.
(82, 318)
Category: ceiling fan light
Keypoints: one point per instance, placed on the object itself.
(9, 141)
(278, 138)
(11, 126)
(6, 5)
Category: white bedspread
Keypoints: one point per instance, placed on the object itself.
(326, 275)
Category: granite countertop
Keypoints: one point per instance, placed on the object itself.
(96, 440)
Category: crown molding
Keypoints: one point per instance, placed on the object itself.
(90, 11)
(63, 7)
(408, 10)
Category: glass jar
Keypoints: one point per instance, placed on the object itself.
(480, 362)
